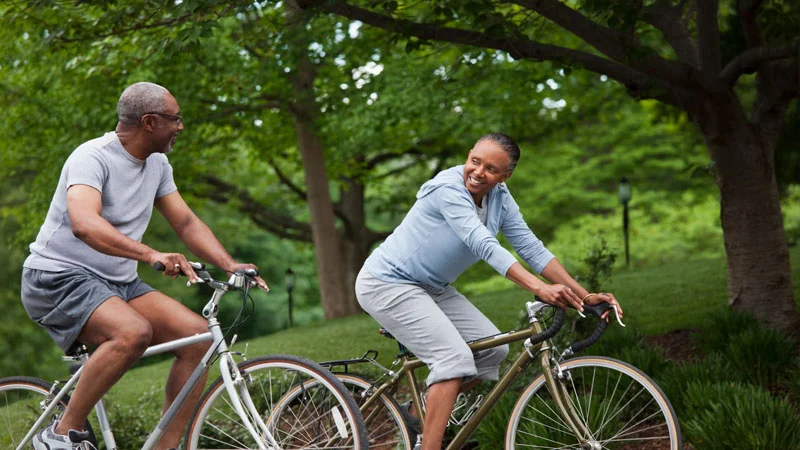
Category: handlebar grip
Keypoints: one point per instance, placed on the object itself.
(596, 310)
(158, 267)
(555, 326)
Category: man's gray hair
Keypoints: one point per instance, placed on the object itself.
(139, 99)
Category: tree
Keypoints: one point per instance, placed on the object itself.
(695, 56)
(256, 72)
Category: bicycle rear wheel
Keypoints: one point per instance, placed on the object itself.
(385, 425)
(620, 406)
(386, 429)
(321, 415)
(22, 401)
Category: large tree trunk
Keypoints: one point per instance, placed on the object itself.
(759, 273)
(356, 238)
(335, 301)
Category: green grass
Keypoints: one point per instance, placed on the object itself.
(656, 300)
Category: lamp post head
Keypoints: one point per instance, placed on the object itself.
(625, 191)
(289, 278)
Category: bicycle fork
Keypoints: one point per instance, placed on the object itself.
(556, 379)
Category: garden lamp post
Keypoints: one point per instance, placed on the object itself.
(289, 287)
(625, 194)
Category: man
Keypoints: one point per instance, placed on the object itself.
(80, 281)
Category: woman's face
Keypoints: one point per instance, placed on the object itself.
(487, 164)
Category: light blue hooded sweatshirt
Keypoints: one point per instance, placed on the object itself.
(442, 236)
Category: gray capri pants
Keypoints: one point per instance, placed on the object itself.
(434, 326)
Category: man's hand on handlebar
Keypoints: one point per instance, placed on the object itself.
(259, 281)
(174, 264)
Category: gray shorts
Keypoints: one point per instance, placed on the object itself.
(62, 302)
(434, 326)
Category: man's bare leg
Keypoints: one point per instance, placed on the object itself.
(122, 335)
(171, 320)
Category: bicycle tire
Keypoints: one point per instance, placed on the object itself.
(387, 430)
(326, 416)
(620, 405)
(21, 403)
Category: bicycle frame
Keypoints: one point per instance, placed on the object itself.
(234, 382)
(549, 367)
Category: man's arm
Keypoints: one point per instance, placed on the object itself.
(197, 235)
(85, 207)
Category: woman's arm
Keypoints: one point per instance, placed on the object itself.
(556, 273)
(559, 295)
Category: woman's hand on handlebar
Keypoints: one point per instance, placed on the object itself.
(241, 266)
(594, 299)
(560, 295)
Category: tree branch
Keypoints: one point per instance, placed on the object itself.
(384, 157)
(647, 70)
(303, 195)
(667, 19)
(266, 218)
(751, 60)
(608, 41)
(708, 36)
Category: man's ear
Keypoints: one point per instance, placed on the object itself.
(148, 122)
(507, 176)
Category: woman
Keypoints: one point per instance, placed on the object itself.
(405, 282)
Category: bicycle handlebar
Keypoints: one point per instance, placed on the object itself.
(205, 277)
(555, 326)
(596, 310)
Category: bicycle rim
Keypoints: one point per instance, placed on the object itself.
(321, 414)
(386, 429)
(21, 403)
(620, 406)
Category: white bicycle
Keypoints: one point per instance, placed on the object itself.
(239, 410)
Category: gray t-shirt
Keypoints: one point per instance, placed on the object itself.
(129, 187)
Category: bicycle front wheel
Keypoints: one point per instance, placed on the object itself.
(322, 416)
(615, 404)
(22, 401)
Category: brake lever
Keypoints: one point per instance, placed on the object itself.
(616, 314)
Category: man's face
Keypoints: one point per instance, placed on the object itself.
(168, 123)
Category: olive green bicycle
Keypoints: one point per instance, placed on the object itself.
(587, 403)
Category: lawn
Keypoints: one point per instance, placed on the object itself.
(656, 299)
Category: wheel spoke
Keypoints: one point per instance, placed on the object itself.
(615, 402)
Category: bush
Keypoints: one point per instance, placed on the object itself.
(492, 429)
(674, 379)
(723, 416)
(132, 423)
(722, 326)
(761, 356)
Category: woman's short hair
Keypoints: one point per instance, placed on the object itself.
(507, 144)
(139, 99)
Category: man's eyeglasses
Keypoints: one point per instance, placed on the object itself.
(177, 118)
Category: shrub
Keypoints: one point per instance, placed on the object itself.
(722, 416)
(492, 429)
(132, 423)
(674, 379)
(722, 326)
(760, 356)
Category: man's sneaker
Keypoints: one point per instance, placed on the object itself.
(47, 439)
